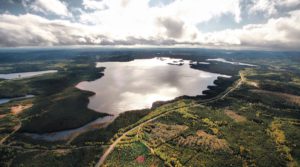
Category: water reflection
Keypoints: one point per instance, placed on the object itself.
(25, 74)
(67, 134)
(137, 84)
(230, 62)
(6, 100)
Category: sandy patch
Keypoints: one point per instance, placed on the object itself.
(235, 116)
(20, 108)
(249, 82)
(252, 83)
(201, 133)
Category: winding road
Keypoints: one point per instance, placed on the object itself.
(102, 159)
(112, 146)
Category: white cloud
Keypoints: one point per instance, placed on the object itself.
(134, 22)
(198, 11)
(56, 7)
(268, 6)
(289, 3)
(271, 7)
(94, 4)
(33, 30)
(123, 18)
(280, 33)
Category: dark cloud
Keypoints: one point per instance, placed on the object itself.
(174, 28)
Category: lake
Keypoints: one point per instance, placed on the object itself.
(137, 84)
(25, 74)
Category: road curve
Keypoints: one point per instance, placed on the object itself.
(112, 146)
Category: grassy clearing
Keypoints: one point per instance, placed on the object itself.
(235, 116)
(278, 135)
(135, 154)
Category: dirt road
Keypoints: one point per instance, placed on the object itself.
(112, 146)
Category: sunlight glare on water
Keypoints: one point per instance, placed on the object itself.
(138, 83)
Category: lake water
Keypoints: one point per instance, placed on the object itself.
(6, 100)
(25, 74)
(138, 83)
(67, 134)
(230, 62)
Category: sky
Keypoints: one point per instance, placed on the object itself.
(258, 24)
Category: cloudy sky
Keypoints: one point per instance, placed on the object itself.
(262, 24)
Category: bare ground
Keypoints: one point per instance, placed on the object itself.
(19, 108)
